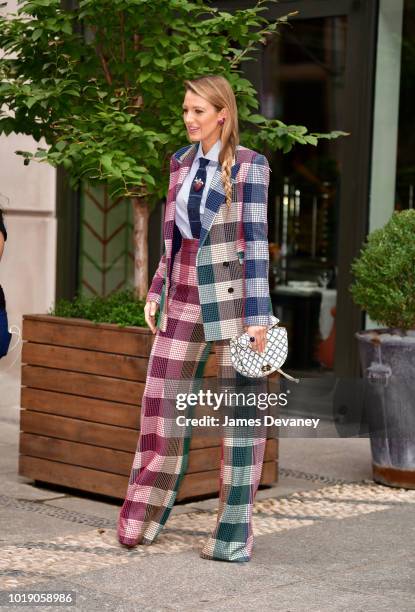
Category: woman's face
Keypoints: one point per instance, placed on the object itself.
(201, 118)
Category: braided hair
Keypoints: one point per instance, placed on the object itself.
(217, 90)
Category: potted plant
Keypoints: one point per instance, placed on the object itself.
(384, 287)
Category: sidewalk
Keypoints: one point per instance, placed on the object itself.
(326, 539)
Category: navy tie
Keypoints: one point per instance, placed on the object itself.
(195, 197)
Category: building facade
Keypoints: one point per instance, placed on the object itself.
(342, 65)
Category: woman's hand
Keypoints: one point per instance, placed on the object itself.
(150, 310)
(259, 332)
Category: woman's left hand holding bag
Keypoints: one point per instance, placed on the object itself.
(259, 335)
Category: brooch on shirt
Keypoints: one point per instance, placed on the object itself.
(198, 184)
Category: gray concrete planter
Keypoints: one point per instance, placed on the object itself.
(387, 357)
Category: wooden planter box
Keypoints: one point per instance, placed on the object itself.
(82, 385)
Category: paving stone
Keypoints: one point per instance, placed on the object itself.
(185, 508)
(20, 487)
(206, 504)
(346, 458)
(9, 433)
(9, 384)
(303, 597)
(328, 549)
(87, 506)
(20, 526)
(8, 458)
(186, 582)
(86, 599)
(286, 486)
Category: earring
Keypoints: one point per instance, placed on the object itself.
(221, 121)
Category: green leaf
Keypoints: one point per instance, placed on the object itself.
(145, 59)
(66, 28)
(311, 140)
(106, 162)
(257, 118)
(161, 62)
(144, 76)
(31, 101)
(37, 34)
(60, 145)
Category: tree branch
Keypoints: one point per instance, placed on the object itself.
(122, 36)
(122, 28)
(99, 52)
(104, 64)
(136, 39)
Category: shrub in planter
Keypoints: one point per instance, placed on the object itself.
(385, 273)
(83, 376)
(121, 308)
(385, 288)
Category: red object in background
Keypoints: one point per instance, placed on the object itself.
(325, 350)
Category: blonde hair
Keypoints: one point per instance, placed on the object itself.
(217, 90)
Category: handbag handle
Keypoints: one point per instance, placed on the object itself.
(274, 322)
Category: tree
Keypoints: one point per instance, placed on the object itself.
(102, 83)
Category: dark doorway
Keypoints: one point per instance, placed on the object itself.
(318, 73)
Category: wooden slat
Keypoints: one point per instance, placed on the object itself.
(103, 337)
(63, 428)
(83, 479)
(96, 434)
(114, 461)
(115, 485)
(74, 453)
(84, 408)
(89, 362)
(80, 333)
(87, 385)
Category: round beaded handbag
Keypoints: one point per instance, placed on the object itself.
(253, 364)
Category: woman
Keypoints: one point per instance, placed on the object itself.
(211, 284)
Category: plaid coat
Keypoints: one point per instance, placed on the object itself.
(233, 258)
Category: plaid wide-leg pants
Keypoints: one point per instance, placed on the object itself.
(177, 358)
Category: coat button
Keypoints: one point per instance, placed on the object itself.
(230, 290)
(226, 264)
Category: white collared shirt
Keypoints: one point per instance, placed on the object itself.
(182, 218)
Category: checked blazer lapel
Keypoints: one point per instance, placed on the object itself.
(186, 161)
(215, 197)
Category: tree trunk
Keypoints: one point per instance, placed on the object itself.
(141, 216)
